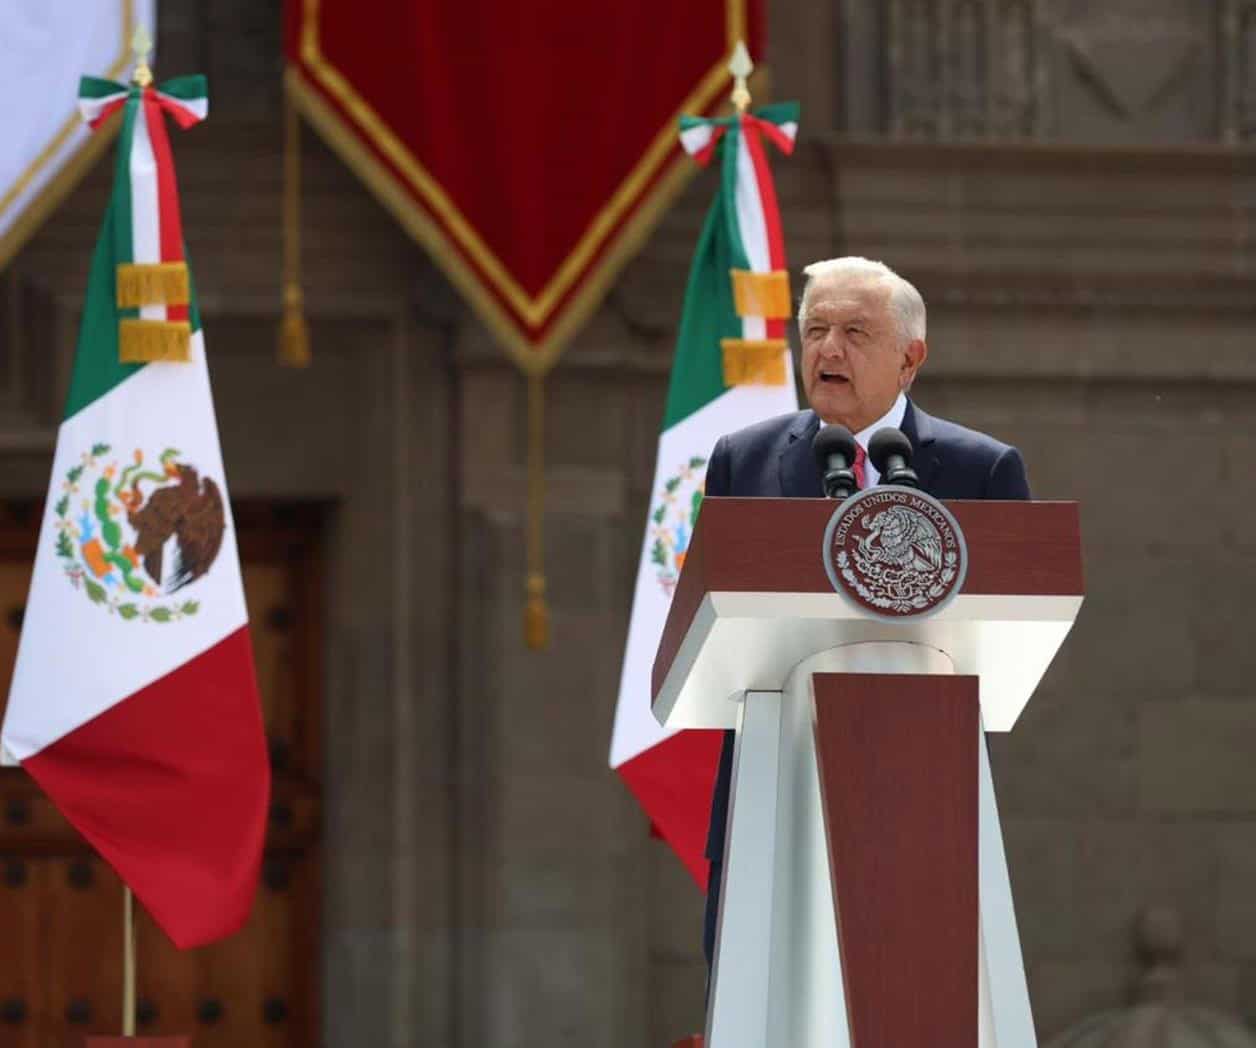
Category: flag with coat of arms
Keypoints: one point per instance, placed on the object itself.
(134, 700)
(732, 368)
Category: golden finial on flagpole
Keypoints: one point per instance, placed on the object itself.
(142, 46)
(741, 67)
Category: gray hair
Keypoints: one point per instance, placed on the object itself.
(906, 304)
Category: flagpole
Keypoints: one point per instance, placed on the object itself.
(141, 45)
(128, 962)
(741, 67)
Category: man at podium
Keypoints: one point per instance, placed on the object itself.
(863, 341)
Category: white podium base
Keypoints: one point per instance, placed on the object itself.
(776, 978)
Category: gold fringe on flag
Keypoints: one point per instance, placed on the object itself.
(154, 341)
(152, 284)
(294, 335)
(754, 362)
(536, 618)
(761, 294)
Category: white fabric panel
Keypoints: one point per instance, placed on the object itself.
(44, 49)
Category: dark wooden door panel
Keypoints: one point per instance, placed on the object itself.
(61, 907)
(15, 580)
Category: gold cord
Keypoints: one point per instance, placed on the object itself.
(536, 611)
(294, 337)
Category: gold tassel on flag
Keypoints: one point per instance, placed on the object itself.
(536, 626)
(754, 362)
(761, 294)
(149, 285)
(757, 362)
(294, 336)
(152, 284)
(154, 341)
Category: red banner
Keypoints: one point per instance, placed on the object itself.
(528, 147)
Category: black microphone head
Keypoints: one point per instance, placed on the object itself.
(887, 443)
(830, 441)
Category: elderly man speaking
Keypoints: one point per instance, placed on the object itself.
(863, 340)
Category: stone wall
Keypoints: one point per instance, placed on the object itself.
(1121, 72)
(487, 880)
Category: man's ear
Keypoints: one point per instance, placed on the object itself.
(914, 356)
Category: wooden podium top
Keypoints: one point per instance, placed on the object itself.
(754, 600)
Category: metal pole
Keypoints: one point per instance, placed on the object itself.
(128, 963)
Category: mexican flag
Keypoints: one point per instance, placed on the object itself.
(732, 368)
(134, 701)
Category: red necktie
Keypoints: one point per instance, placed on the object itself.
(861, 474)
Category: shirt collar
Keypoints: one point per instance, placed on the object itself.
(892, 418)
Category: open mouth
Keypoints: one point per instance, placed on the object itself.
(834, 379)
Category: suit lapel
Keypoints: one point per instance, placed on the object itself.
(798, 473)
(918, 428)
(801, 479)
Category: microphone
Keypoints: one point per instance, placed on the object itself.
(890, 452)
(834, 449)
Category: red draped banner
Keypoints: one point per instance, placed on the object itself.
(528, 146)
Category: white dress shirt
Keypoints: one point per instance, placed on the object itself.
(892, 418)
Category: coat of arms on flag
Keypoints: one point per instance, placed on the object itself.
(732, 368)
(126, 547)
(134, 701)
(672, 520)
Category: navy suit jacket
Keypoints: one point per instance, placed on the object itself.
(773, 459)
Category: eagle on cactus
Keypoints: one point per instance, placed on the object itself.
(139, 531)
(189, 509)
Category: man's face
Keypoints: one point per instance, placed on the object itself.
(854, 362)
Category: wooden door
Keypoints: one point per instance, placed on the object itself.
(61, 907)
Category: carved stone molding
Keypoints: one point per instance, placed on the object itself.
(966, 69)
(1131, 58)
(1238, 69)
(1126, 71)
(1144, 294)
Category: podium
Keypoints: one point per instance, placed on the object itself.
(865, 898)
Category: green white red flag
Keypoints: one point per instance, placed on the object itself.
(134, 701)
(732, 368)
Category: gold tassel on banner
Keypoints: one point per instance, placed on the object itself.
(536, 611)
(294, 336)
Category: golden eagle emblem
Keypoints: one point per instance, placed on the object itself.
(130, 535)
